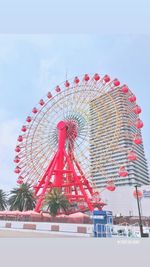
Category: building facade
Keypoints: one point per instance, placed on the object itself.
(112, 130)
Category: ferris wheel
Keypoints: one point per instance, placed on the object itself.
(55, 145)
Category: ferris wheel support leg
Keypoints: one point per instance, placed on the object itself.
(44, 176)
(79, 182)
(61, 126)
(41, 198)
(85, 180)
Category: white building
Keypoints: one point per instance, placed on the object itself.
(122, 201)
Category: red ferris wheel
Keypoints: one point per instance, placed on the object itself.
(54, 147)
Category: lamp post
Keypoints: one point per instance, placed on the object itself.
(140, 219)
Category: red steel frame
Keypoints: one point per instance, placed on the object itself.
(64, 172)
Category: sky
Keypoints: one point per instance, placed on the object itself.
(75, 16)
(30, 65)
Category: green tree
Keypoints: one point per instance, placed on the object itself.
(56, 201)
(3, 200)
(22, 198)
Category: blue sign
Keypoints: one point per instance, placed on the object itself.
(103, 221)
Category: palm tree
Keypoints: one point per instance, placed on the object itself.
(3, 200)
(22, 198)
(56, 201)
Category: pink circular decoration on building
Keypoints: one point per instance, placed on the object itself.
(132, 98)
(137, 110)
(123, 172)
(139, 193)
(111, 187)
(125, 89)
(137, 140)
(132, 156)
(138, 124)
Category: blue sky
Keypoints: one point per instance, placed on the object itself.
(30, 65)
(75, 16)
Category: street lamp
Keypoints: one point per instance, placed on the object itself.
(139, 210)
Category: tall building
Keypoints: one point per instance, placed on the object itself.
(112, 130)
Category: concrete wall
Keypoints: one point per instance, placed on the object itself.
(73, 229)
